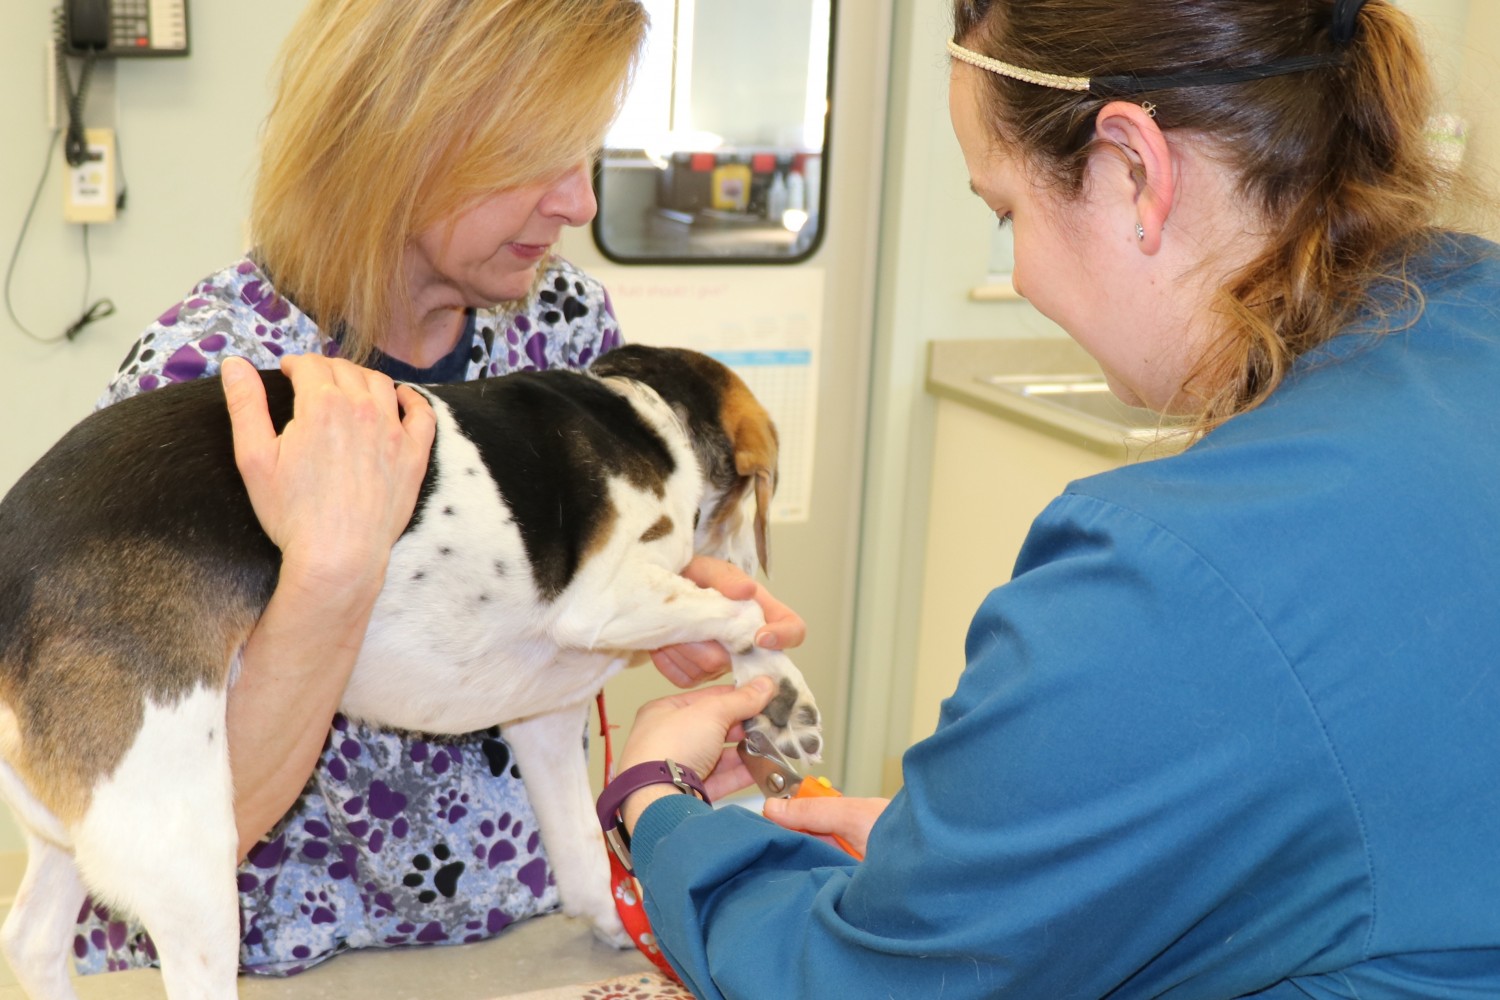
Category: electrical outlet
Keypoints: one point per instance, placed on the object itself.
(89, 190)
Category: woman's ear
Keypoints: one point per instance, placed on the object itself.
(1132, 130)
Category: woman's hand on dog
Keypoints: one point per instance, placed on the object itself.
(692, 729)
(337, 487)
(691, 663)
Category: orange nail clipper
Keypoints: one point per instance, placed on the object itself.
(778, 779)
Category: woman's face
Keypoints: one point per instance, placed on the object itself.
(1076, 261)
(490, 251)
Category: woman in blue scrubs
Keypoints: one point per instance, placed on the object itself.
(1231, 728)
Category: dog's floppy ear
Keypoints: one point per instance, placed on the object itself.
(753, 438)
(765, 486)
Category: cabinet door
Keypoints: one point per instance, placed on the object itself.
(990, 479)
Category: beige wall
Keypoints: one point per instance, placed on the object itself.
(187, 130)
(1477, 101)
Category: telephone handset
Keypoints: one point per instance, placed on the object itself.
(111, 28)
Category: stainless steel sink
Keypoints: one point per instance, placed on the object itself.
(1086, 396)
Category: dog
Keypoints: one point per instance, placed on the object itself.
(132, 569)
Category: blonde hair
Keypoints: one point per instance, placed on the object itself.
(393, 115)
(1336, 159)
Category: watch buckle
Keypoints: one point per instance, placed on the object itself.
(619, 846)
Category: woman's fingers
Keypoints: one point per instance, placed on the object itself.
(417, 417)
(249, 420)
(716, 574)
(338, 485)
(835, 816)
(689, 664)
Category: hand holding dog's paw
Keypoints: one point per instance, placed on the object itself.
(691, 728)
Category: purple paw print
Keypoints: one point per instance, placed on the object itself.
(317, 908)
(453, 805)
(534, 874)
(381, 904)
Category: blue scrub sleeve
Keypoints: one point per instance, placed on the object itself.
(1128, 792)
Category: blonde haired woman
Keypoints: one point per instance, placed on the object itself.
(419, 162)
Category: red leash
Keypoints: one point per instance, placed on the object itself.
(623, 886)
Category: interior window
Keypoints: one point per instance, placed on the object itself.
(718, 156)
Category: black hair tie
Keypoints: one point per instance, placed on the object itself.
(1345, 20)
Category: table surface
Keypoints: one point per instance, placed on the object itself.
(547, 951)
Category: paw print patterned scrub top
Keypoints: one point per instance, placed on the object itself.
(398, 838)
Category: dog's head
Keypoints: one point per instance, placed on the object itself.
(732, 437)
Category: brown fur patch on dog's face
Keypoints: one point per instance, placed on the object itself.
(93, 648)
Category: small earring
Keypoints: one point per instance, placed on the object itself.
(1149, 108)
(1140, 231)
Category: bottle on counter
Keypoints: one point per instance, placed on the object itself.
(776, 199)
(796, 192)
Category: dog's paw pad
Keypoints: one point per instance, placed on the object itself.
(792, 722)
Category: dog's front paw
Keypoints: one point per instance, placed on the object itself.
(791, 720)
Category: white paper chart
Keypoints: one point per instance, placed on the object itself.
(764, 322)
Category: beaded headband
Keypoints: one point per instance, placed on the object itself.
(1345, 15)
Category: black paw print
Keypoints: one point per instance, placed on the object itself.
(560, 292)
(497, 753)
(444, 879)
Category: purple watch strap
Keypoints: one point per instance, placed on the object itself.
(657, 772)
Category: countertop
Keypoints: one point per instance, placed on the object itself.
(544, 952)
(955, 369)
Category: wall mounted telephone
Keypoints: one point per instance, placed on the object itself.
(135, 28)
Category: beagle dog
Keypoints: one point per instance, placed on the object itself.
(557, 510)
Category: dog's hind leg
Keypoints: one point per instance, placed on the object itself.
(158, 841)
(39, 928)
(549, 751)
